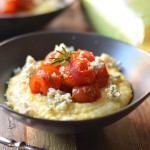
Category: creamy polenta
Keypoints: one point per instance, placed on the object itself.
(58, 105)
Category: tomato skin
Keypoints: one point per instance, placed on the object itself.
(66, 88)
(13, 6)
(25, 4)
(45, 64)
(83, 54)
(102, 77)
(81, 72)
(9, 6)
(38, 85)
(84, 94)
(53, 76)
(44, 78)
(53, 54)
(78, 73)
(68, 78)
(50, 55)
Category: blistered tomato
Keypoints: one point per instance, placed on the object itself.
(77, 76)
(83, 54)
(79, 73)
(44, 78)
(26, 4)
(87, 93)
(51, 57)
(102, 76)
(14, 6)
(9, 6)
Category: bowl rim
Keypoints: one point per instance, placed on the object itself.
(131, 104)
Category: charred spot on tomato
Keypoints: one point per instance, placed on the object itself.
(66, 88)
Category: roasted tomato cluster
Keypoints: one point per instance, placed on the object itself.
(14, 6)
(70, 72)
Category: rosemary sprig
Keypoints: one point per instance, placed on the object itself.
(66, 55)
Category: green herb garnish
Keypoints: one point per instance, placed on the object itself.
(66, 55)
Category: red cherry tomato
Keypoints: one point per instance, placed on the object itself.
(68, 78)
(50, 55)
(102, 76)
(13, 6)
(81, 72)
(66, 88)
(78, 77)
(49, 58)
(45, 78)
(53, 76)
(88, 93)
(83, 54)
(9, 6)
(25, 4)
(37, 85)
(45, 64)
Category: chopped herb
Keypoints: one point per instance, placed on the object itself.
(66, 55)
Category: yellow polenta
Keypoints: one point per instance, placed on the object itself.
(58, 105)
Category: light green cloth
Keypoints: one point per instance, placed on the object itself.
(116, 19)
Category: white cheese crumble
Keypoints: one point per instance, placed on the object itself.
(62, 45)
(98, 59)
(62, 70)
(58, 100)
(81, 54)
(29, 66)
(53, 74)
(112, 92)
(96, 64)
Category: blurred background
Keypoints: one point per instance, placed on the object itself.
(125, 20)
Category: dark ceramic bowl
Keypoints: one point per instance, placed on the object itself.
(135, 65)
(11, 25)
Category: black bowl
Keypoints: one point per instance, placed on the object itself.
(12, 25)
(135, 66)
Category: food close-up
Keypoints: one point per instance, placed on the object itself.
(68, 85)
(74, 74)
